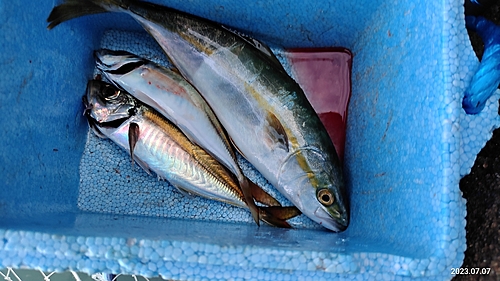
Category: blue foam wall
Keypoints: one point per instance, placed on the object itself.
(408, 144)
(395, 123)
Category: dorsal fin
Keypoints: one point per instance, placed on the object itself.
(262, 47)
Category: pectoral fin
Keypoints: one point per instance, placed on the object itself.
(276, 132)
(133, 137)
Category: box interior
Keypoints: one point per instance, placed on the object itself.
(395, 158)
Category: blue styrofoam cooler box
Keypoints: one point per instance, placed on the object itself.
(408, 144)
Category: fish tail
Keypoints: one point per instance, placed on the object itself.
(252, 192)
(278, 216)
(261, 196)
(247, 194)
(71, 9)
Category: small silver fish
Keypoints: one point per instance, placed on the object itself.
(158, 145)
(165, 90)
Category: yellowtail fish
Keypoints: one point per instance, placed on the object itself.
(165, 90)
(159, 146)
(264, 111)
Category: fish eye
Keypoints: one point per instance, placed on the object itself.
(132, 111)
(325, 197)
(110, 93)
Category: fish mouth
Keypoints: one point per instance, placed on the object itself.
(312, 171)
(88, 107)
(97, 126)
(94, 124)
(335, 223)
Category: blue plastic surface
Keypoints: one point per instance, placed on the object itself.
(408, 144)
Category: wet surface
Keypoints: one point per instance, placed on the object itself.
(325, 76)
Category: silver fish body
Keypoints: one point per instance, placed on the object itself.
(159, 146)
(264, 111)
(169, 161)
(170, 94)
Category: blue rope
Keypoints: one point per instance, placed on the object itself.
(487, 78)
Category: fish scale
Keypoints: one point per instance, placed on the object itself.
(170, 160)
(158, 145)
(165, 90)
(275, 127)
(207, 161)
